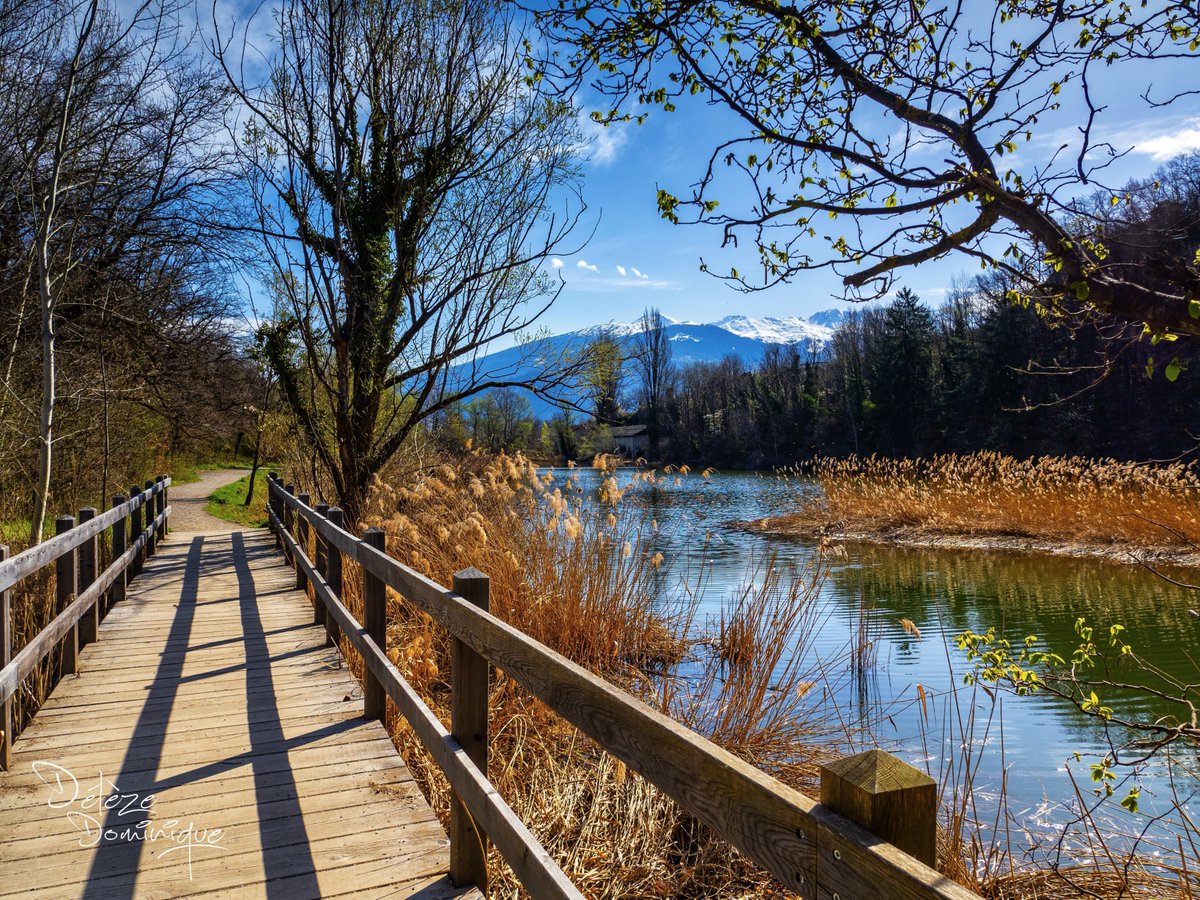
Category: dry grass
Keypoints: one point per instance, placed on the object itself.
(1070, 500)
(576, 577)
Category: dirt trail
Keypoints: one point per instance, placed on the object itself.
(187, 502)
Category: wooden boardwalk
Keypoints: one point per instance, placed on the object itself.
(212, 709)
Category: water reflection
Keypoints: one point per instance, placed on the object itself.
(908, 693)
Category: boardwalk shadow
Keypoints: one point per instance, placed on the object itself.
(281, 829)
(113, 873)
(283, 837)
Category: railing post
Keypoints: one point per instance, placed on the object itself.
(273, 503)
(886, 796)
(89, 623)
(150, 504)
(375, 626)
(135, 529)
(65, 574)
(302, 540)
(160, 505)
(287, 522)
(333, 576)
(6, 709)
(322, 557)
(469, 690)
(117, 592)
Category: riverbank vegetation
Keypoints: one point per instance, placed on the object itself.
(1108, 506)
(577, 569)
(579, 577)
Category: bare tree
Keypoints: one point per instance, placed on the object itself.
(653, 361)
(403, 165)
(105, 159)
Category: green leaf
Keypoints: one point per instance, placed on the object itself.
(1131, 799)
(1194, 308)
(1174, 367)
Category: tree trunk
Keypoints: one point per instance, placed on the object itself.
(46, 420)
(253, 470)
(46, 287)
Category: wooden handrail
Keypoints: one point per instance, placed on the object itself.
(530, 861)
(24, 564)
(809, 847)
(66, 624)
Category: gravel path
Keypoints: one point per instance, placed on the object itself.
(187, 502)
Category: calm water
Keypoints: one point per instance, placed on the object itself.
(1031, 740)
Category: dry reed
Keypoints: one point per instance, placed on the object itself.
(1072, 500)
(577, 577)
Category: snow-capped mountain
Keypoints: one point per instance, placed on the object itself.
(830, 318)
(766, 329)
(786, 330)
(745, 337)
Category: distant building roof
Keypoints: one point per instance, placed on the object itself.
(621, 431)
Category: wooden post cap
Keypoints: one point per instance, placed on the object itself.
(888, 797)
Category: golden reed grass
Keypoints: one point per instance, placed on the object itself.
(1073, 499)
(577, 576)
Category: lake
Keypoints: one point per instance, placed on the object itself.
(1029, 742)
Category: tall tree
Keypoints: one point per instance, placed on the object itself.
(902, 373)
(903, 118)
(653, 361)
(110, 182)
(402, 165)
(602, 376)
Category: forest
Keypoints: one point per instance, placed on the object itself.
(907, 377)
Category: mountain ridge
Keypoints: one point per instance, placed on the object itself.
(747, 338)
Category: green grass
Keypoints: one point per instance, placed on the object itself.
(228, 502)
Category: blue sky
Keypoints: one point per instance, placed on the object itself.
(628, 163)
(635, 259)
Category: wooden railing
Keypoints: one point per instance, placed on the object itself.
(83, 595)
(853, 844)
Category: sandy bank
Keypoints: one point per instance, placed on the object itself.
(797, 526)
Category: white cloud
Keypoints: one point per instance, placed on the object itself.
(1184, 139)
(584, 264)
(638, 274)
(602, 144)
(555, 262)
(614, 285)
(621, 269)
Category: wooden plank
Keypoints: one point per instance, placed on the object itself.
(6, 705)
(240, 723)
(374, 598)
(469, 691)
(300, 780)
(88, 555)
(408, 845)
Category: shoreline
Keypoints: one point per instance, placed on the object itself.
(789, 526)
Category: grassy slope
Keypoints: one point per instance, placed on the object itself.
(228, 503)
